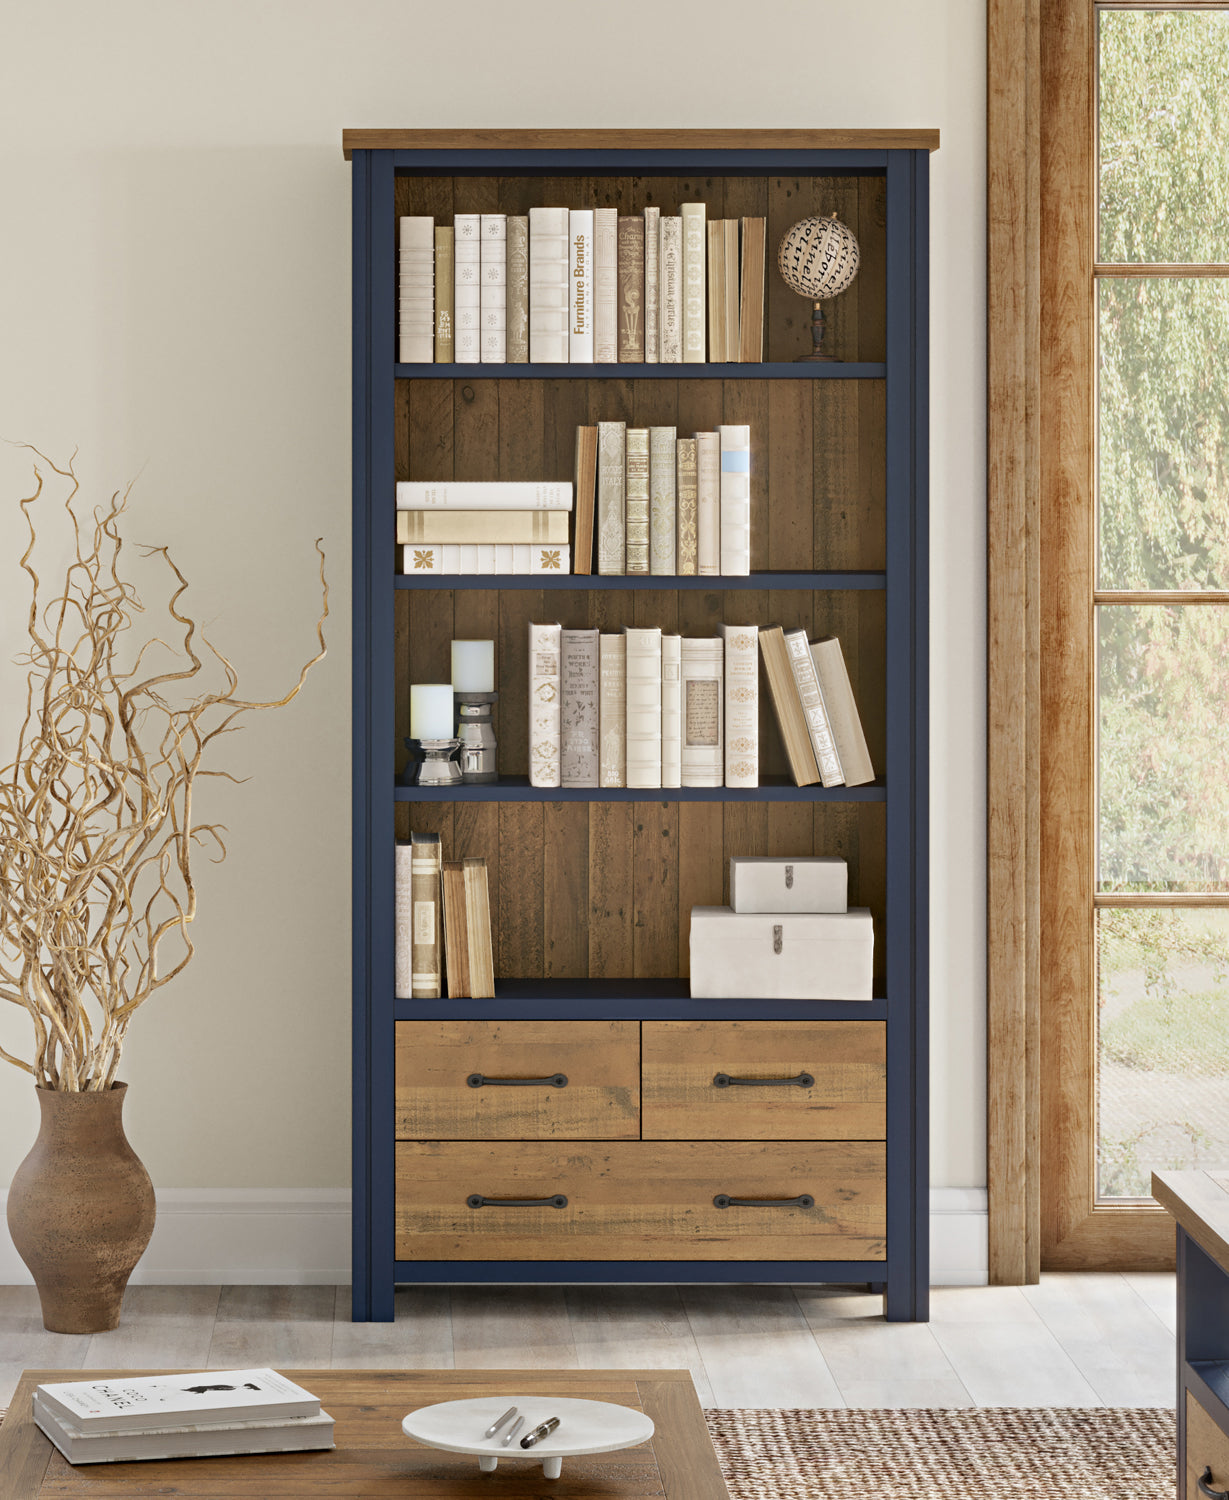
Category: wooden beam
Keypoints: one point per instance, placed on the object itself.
(638, 140)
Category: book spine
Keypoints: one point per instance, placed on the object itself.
(643, 706)
(631, 291)
(729, 268)
(483, 526)
(652, 286)
(742, 704)
(445, 344)
(580, 286)
(483, 494)
(494, 294)
(548, 286)
(708, 504)
(670, 294)
(544, 704)
(685, 487)
(425, 937)
(702, 680)
(818, 726)
(735, 500)
(518, 289)
(586, 498)
(837, 693)
(611, 498)
(637, 499)
(693, 283)
(403, 923)
(606, 285)
(612, 710)
(467, 287)
(578, 729)
(663, 500)
(716, 292)
(751, 307)
(416, 291)
(671, 711)
(478, 930)
(501, 557)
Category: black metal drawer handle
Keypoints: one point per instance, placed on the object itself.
(803, 1200)
(476, 1200)
(480, 1080)
(802, 1081)
(1205, 1485)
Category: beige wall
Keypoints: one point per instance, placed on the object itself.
(174, 282)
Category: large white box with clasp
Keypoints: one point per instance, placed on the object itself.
(762, 882)
(781, 955)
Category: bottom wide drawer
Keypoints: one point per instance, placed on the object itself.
(640, 1200)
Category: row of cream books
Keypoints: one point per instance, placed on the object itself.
(646, 708)
(441, 924)
(581, 286)
(652, 501)
(187, 1415)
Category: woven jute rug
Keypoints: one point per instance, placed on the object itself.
(1048, 1453)
(1008, 1453)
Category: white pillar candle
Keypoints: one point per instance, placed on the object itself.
(431, 713)
(473, 666)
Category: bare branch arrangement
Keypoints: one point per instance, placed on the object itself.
(96, 809)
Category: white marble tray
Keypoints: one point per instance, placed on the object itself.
(584, 1427)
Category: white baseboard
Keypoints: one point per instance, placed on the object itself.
(301, 1236)
(959, 1237)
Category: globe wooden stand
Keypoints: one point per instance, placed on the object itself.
(817, 355)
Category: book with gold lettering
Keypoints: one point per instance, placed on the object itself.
(580, 286)
(652, 286)
(518, 289)
(637, 481)
(586, 499)
(685, 486)
(612, 710)
(810, 695)
(493, 298)
(445, 345)
(544, 696)
(578, 718)
(485, 557)
(670, 290)
(631, 291)
(467, 288)
(742, 704)
(694, 254)
(612, 497)
(663, 503)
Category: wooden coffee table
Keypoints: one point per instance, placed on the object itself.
(374, 1461)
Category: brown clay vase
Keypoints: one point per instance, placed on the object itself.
(81, 1209)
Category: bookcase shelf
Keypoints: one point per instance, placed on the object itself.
(629, 1000)
(767, 370)
(599, 883)
(518, 789)
(834, 579)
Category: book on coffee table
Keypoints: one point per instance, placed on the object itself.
(201, 1398)
(214, 1439)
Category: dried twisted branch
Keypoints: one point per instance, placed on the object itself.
(97, 834)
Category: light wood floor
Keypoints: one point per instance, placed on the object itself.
(1075, 1340)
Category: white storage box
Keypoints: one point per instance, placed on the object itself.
(760, 882)
(781, 955)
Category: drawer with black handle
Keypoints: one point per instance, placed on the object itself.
(517, 1080)
(764, 1080)
(640, 1200)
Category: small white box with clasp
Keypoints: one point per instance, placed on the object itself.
(781, 955)
(760, 883)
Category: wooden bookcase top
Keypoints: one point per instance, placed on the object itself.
(630, 140)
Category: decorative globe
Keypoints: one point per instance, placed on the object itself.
(818, 258)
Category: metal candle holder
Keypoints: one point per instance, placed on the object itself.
(473, 716)
(432, 763)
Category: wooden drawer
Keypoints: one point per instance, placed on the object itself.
(846, 1102)
(599, 1059)
(1206, 1447)
(632, 1200)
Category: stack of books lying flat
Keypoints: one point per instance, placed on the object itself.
(484, 527)
(190, 1415)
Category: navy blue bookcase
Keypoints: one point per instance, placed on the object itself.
(901, 996)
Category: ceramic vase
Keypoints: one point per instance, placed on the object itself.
(81, 1209)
